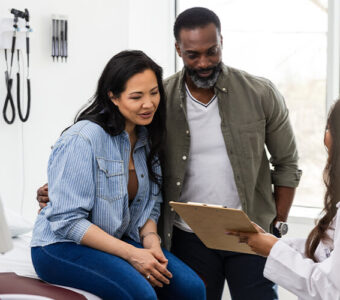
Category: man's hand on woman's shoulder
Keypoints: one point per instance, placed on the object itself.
(42, 196)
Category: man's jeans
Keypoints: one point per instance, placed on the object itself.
(243, 272)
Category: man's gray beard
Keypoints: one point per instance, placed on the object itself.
(205, 83)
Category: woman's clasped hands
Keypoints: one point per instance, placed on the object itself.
(151, 262)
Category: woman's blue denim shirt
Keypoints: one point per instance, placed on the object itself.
(87, 178)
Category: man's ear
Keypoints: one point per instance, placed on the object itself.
(113, 98)
(221, 42)
(178, 49)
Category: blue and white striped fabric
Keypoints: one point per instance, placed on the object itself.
(87, 177)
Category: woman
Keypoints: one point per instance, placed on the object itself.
(98, 232)
(310, 267)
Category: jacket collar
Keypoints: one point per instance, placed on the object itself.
(142, 136)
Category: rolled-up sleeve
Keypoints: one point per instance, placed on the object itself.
(280, 141)
(157, 195)
(156, 210)
(71, 187)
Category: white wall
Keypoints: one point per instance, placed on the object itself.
(151, 23)
(97, 30)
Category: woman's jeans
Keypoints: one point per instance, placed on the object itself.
(109, 276)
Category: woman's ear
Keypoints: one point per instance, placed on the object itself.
(113, 98)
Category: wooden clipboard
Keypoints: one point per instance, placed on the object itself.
(210, 222)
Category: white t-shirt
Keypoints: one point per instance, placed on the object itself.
(209, 176)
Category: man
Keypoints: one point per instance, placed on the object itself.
(219, 121)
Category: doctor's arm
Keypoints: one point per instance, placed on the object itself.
(290, 269)
(302, 276)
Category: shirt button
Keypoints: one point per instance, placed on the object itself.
(169, 235)
(224, 89)
(187, 132)
(178, 183)
(142, 175)
(171, 209)
(184, 157)
(181, 105)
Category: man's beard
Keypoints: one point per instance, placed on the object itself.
(204, 82)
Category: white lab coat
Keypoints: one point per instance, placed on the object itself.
(288, 267)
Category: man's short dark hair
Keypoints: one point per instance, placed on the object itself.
(195, 17)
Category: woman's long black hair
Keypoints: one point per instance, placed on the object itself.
(102, 111)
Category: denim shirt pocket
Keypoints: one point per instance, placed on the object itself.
(253, 139)
(110, 179)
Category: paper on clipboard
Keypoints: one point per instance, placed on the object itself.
(210, 222)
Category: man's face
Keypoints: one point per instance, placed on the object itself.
(201, 51)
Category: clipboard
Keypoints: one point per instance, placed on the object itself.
(210, 222)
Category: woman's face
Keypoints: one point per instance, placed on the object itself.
(139, 102)
(328, 139)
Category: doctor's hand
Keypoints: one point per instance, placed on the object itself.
(42, 196)
(146, 262)
(260, 242)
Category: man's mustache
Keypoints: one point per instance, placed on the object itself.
(202, 69)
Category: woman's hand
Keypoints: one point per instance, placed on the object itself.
(152, 242)
(151, 263)
(260, 242)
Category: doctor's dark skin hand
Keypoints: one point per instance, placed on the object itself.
(42, 196)
(260, 242)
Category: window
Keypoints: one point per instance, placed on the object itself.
(286, 42)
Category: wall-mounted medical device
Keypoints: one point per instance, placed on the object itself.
(14, 41)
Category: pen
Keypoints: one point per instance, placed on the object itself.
(65, 42)
(57, 53)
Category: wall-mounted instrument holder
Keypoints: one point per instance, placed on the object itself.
(59, 38)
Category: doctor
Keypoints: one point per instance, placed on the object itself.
(309, 267)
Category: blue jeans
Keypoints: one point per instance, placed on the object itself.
(109, 276)
(243, 272)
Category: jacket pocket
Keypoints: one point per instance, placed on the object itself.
(253, 139)
(110, 179)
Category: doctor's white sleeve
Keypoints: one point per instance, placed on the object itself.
(302, 276)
